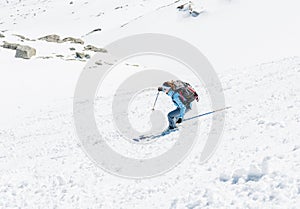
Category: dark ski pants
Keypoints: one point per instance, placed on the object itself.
(172, 117)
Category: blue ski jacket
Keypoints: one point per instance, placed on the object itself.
(178, 103)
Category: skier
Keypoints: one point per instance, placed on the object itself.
(182, 95)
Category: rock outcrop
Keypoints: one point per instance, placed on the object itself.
(94, 49)
(12, 46)
(73, 40)
(82, 55)
(56, 39)
(51, 38)
(23, 38)
(25, 52)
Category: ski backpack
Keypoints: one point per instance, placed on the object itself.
(186, 92)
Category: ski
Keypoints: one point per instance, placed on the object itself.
(149, 137)
(154, 136)
(196, 12)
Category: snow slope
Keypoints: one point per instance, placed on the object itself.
(257, 163)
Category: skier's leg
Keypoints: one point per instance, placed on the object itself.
(171, 116)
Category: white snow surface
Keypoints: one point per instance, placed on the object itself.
(254, 47)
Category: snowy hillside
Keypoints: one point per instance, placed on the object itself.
(255, 49)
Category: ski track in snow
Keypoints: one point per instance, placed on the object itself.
(255, 166)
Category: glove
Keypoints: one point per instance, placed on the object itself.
(160, 89)
(179, 120)
(196, 96)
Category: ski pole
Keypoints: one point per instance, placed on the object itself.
(197, 116)
(155, 101)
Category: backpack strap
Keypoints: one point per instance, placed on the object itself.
(181, 96)
(195, 93)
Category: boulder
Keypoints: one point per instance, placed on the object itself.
(10, 45)
(79, 55)
(1, 35)
(25, 52)
(73, 40)
(82, 55)
(94, 49)
(51, 38)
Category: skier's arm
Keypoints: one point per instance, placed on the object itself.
(181, 106)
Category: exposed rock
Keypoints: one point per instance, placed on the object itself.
(94, 49)
(73, 40)
(93, 31)
(79, 55)
(133, 65)
(10, 45)
(23, 37)
(44, 57)
(51, 38)
(25, 52)
(20, 36)
(1, 35)
(101, 13)
(56, 39)
(72, 49)
(121, 7)
(82, 55)
(108, 63)
(59, 55)
(99, 62)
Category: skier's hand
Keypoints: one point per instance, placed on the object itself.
(180, 7)
(179, 120)
(160, 89)
(196, 96)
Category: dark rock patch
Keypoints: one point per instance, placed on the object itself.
(81, 55)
